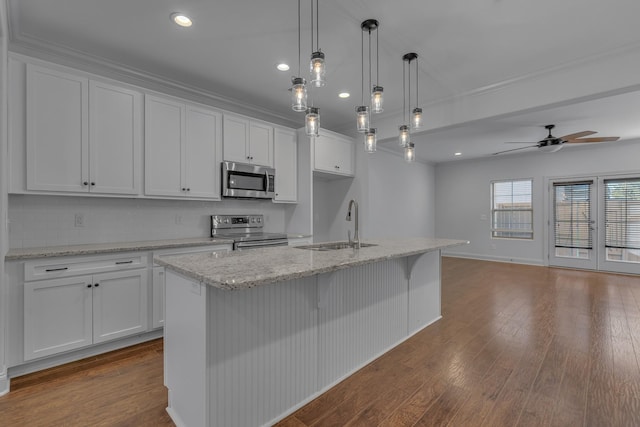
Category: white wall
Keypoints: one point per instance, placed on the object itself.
(463, 194)
(395, 199)
(49, 220)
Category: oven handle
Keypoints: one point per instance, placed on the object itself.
(260, 244)
(266, 174)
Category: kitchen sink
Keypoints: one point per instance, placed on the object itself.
(332, 246)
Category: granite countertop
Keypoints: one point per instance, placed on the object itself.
(104, 248)
(247, 269)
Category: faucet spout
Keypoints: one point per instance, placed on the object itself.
(356, 238)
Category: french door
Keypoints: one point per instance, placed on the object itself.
(594, 223)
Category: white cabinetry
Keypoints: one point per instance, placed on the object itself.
(286, 165)
(333, 154)
(247, 141)
(182, 149)
(70, 312)
(82, 135)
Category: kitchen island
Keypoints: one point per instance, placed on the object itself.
(251, 336)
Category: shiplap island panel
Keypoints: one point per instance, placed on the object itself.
(251, 336)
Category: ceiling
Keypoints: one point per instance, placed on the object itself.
(232, 49)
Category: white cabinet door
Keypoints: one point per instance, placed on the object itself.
(203, 153)
(158, 297)
(57, 316)
(260, 144)
(333, 155)
(57, 134)
(163, 146)
(119, 304)
(114, 139)
(235, 139)
(286, 165)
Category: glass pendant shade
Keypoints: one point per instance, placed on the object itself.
(362, 114)
(416, 120)
(318, 69)
(403, 138)
(370, 141)
(377, 96)
(298, 94)
(409, 153)
(312, 121)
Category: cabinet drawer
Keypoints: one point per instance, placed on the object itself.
(73, 266)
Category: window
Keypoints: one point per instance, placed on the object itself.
(622, 219)
(572, 219)
(512, 209)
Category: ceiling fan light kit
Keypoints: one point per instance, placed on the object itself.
(551, 144)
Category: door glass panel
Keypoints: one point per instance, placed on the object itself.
(573, 235)
(622, 220)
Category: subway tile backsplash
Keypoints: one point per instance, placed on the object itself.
(36, 221)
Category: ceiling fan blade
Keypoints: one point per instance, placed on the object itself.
(600, 139)
(514, 149)
(577, 135)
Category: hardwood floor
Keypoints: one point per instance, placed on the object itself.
(517, 345)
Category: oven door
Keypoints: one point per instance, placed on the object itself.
(241, 180)
(258, 244)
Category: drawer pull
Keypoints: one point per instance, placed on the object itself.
(124, 262)
(56, 269)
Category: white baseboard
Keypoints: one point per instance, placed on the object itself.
(4, 384)
(495, 258)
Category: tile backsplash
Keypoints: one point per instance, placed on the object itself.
(36, 221)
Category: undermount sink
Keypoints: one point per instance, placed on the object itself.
(332, 246)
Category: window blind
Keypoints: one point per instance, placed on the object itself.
(622, 213)
(572, 215)
(512, 209)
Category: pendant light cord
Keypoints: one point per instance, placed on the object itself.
(377, 59)
(362, 64)
(318, 25)
(417, 82)
(370, 59)
(299, 50)
(404, 93)
(409, 90)
(312, 23)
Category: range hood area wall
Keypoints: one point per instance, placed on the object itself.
(36, 221)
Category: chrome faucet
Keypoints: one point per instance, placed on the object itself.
(355, 243)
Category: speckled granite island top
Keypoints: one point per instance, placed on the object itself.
(104, 248)
(247, 269)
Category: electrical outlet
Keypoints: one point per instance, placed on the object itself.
(78, 220)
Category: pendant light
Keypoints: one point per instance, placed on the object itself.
(409, 153)
(299, 85)
(416, 119)
(317, 64)
(370, 140)
(377, 94)
(312, 121)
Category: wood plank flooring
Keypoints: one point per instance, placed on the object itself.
(517, 346)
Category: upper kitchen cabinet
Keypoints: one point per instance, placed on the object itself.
(333, 155)
(182, 149)
(248, 141)
(82, 136)
(286, 165)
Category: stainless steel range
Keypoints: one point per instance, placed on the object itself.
(245, 231)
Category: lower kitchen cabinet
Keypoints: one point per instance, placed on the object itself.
(69, 313)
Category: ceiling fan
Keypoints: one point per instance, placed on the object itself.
(551, 143)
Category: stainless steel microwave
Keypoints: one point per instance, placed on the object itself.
(241, 180)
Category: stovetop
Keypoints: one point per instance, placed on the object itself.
(250, 236)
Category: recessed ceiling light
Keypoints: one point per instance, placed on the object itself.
(457, 154)
(282, 67)
(344, 94)
(181, 19)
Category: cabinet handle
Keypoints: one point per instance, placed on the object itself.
(89, 285)
(96, 285)
(188, 189)
(124, 262)
(56, 269)
(337, 167)
(184, 189)
(93, 183)
(248, 158)
(85, 183)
